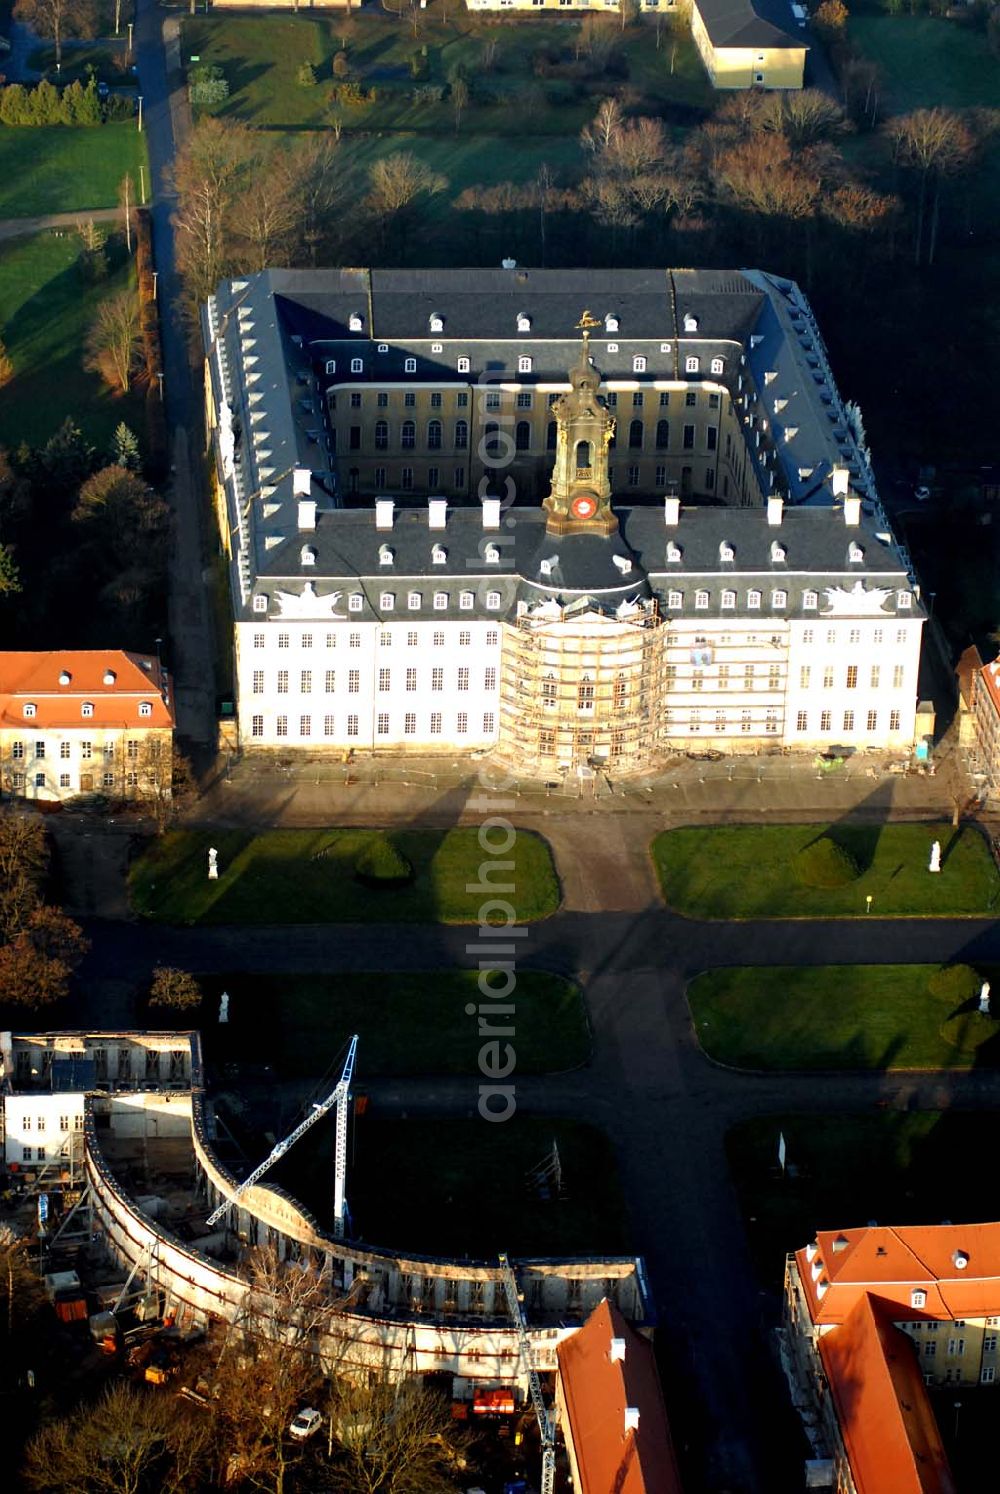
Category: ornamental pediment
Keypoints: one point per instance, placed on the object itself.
(856, 600)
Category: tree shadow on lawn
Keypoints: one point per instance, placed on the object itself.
(859, 830)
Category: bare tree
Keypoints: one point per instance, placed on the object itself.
(392, 1438)
(934, 143)
(459, 100)
(24, 861)
(126, 201)
(607, 122)
(321, 182)
(397, 181)
(209, 176)
(58, 19)
(268, 216)
(174, 988)
(114, 342)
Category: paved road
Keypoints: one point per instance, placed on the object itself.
(666, 1108)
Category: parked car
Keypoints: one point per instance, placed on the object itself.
(306, 1424)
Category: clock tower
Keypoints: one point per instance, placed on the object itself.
(580, 498)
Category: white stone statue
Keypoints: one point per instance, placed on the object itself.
(935, 862)
(213, 864)
(224, 1008)
(984, 998)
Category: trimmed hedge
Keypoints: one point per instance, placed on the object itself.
(381, 864)
(825, 864)
(958, 983)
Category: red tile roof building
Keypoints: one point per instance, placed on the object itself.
(611, 1410)
(83, 721)
(872, 1317)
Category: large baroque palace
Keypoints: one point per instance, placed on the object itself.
(461, 517)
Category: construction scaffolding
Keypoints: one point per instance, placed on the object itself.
(584, 696)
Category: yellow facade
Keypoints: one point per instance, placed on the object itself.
(748, 67)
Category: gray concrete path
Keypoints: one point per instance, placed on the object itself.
(16, 228)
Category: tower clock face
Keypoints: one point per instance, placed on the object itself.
(583, 506)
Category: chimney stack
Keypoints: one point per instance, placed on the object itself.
(491, 513)
(383, 513)
(307, 513)
(839, 477)
(631, 1418)
(671, 512)
(301, 482)
(437, 513)
(852, 510)
(775, 510)
(617, 1351)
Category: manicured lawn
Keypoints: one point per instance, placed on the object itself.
(106, 58)
(261, 56)
(408, 1024)
(45, 310)
(462, 1187)
(307, 876)
(748, 871)
(925, 61)
(63, 170)
(837, 1017)
(845, 1170)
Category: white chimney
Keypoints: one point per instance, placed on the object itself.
(631, 1418)
(437, 513)
(383, 513)
(775, 509)
(307, 513)
(852, 510)
(301, 482)
(617, 1351)
(671, 512)
(491, 513)
(838, 481)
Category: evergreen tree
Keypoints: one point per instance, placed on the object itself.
(125, 448)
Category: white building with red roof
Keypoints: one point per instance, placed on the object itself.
(85, 721)
(875, 1315)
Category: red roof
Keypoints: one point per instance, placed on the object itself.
(889, 1430)
(614, 1458)
(114, 683)
(956, 1266)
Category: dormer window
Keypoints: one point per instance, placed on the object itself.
(145, 708)
(639, 363)
(491, 555)
(385, 555)
(308, 555)
(810, 600)
(903, 600)
(355, 602)
(855, 554)
(331, 365)
(463, 365)
(387, 601)
(355, 322)
(357, 365)
(753, 600)
(64, 677)
(726, 551)
(611, 323)
(440, 601)
(729, 599)
(690, 322)
(493, 601)
(524, 363)
(523, 322)
(691, 363)
(109, 676)
(383, 347)
(409, 365)
(466, 600)
(718, 366)
(438, 555)
(437, 347)
(779, 599)
(413, 601)
(701, 600)
(675, 600)
(612, 347)
(673, 553)
(778, 551)
(918, 1298)
(437, 322)
(260, 604)
(30, 709)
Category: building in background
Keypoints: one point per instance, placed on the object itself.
(85, 721)
(751, 43)
(979, 718)
(763, 602)
(875, 1315)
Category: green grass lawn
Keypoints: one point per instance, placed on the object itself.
(104, 57)
(926, 61)
(307, 876)
(407, 1024)
(45, 310)
(64, 170)
(457, 1187)
(747, 871)
(895, 1168)
(837, 1017)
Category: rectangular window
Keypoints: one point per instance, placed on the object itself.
(411, 680)
(689, 438)
(875, 677)
(384, 679)
(353, 681)
(305, 682)
(488, 723)
(256, 726)
(258, 640)
(258, 682)
(490, 679)
(633, 477)
(281, 726)
(352, 726)
(894, 720)
(64, 780)
(462, 722)
(354, 640)
(828, 677)
(801, 721)
(330, 681)
(282, 681)
(464, 639)
(107, 780)
(64, 749)
(873, 720)
(804, 674)
(328, 726)
(852, 676)
(898, 672)
(825, 721)
(848, 720)
(437, 679)
(463, 678)
(410, 724)
(282, 640)
(331, 640)
(382, 726)
(690, 398)
(305, 726)
(436, 722)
